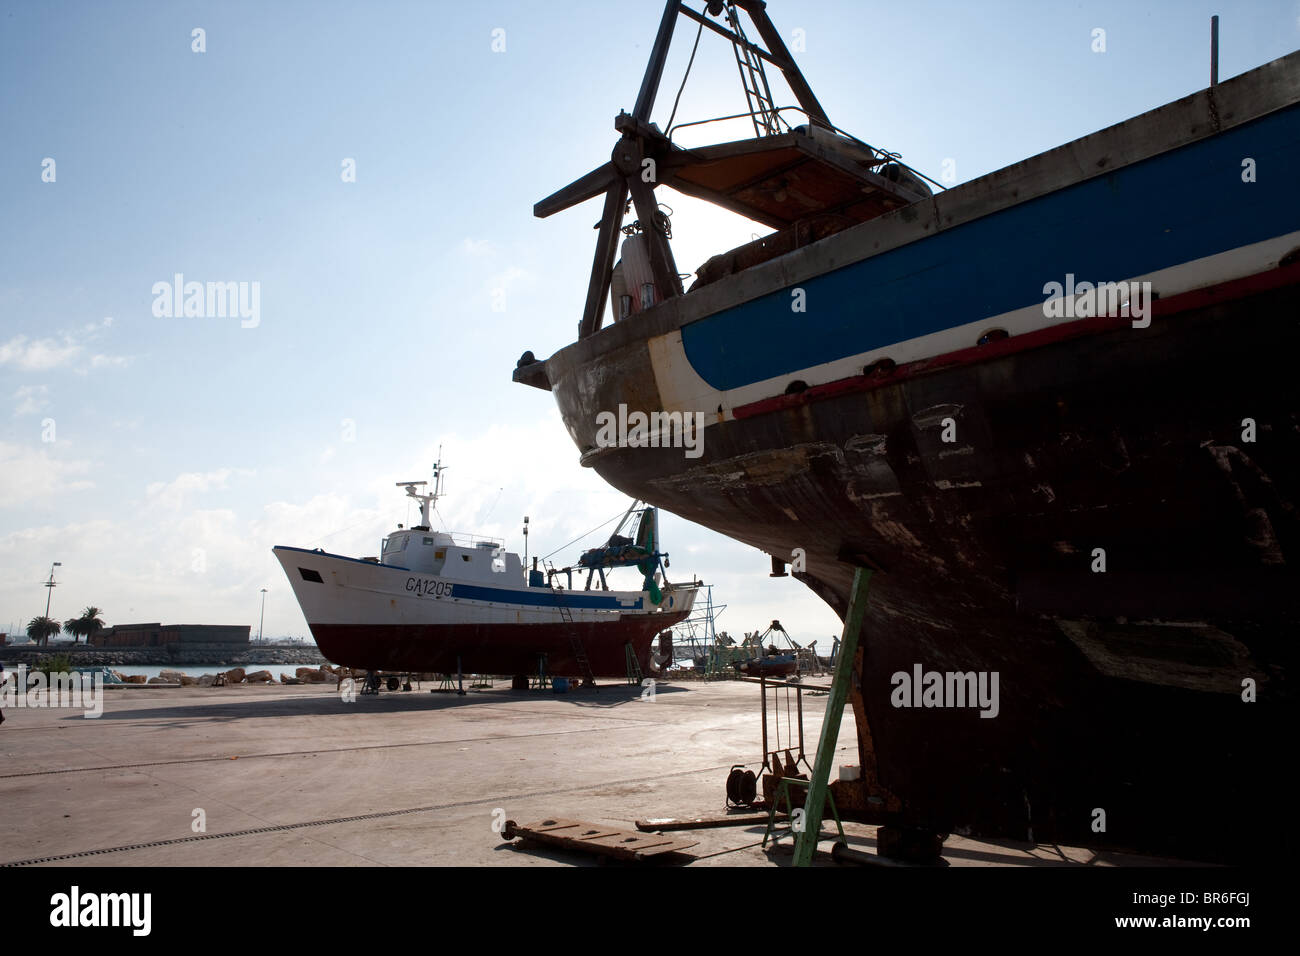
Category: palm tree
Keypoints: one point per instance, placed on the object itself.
(88, 625)
(41, 629)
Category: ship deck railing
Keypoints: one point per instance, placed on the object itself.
(465, 540)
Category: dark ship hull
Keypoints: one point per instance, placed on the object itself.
(1122, 441)
(1097, 511)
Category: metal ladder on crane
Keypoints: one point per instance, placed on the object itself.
(762, 109)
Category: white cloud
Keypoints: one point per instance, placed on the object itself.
(65, 349)
(511, 276)
(172, 494)
(330, 521)
(37, 355)
(30, 399)
(477, 247)
(29, 475)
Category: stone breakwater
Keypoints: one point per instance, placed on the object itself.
(303, 675)
(323, 674)
(84, 656)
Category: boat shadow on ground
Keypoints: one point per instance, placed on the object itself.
(231, 708)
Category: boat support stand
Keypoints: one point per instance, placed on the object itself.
(806, 839)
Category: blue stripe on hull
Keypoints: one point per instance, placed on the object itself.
(1174, 208)
(536, 597)
(539, 598)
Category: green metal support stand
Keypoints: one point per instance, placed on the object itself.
(783, 790)
(806, 841)
(633, 667)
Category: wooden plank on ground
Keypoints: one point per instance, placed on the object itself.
(596, 838)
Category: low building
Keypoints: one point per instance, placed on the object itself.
(233, 636)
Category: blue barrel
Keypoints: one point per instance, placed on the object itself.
(560, 685)
(536, 579)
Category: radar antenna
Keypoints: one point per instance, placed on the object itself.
(427, 501)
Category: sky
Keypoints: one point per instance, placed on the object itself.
(372, 168)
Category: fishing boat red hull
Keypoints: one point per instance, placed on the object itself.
(495, 649)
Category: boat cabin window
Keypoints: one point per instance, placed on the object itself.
(395, 543)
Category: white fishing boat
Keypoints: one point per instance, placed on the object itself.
(436, 601)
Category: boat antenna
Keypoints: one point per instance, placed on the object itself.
(427, 501)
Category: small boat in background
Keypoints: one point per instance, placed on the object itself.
(770, 665)
(773, 661)
(442, 602)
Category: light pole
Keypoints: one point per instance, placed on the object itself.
(50, 585)
(262, 617)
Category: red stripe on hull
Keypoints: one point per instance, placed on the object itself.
(1160, 309)
(492, 648)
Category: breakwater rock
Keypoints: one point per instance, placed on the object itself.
(83, 656)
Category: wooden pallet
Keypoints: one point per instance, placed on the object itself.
(596, 838)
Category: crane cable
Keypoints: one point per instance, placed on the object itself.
(685, 76)
(583, 535)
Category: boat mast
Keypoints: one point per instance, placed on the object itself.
(427, 501)
(640, 142)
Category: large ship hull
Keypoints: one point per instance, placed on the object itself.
(985, 564)
(1098, 511)
(379, 617)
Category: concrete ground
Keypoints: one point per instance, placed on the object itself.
(401, 779)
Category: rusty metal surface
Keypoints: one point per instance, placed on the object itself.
(626, 845)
